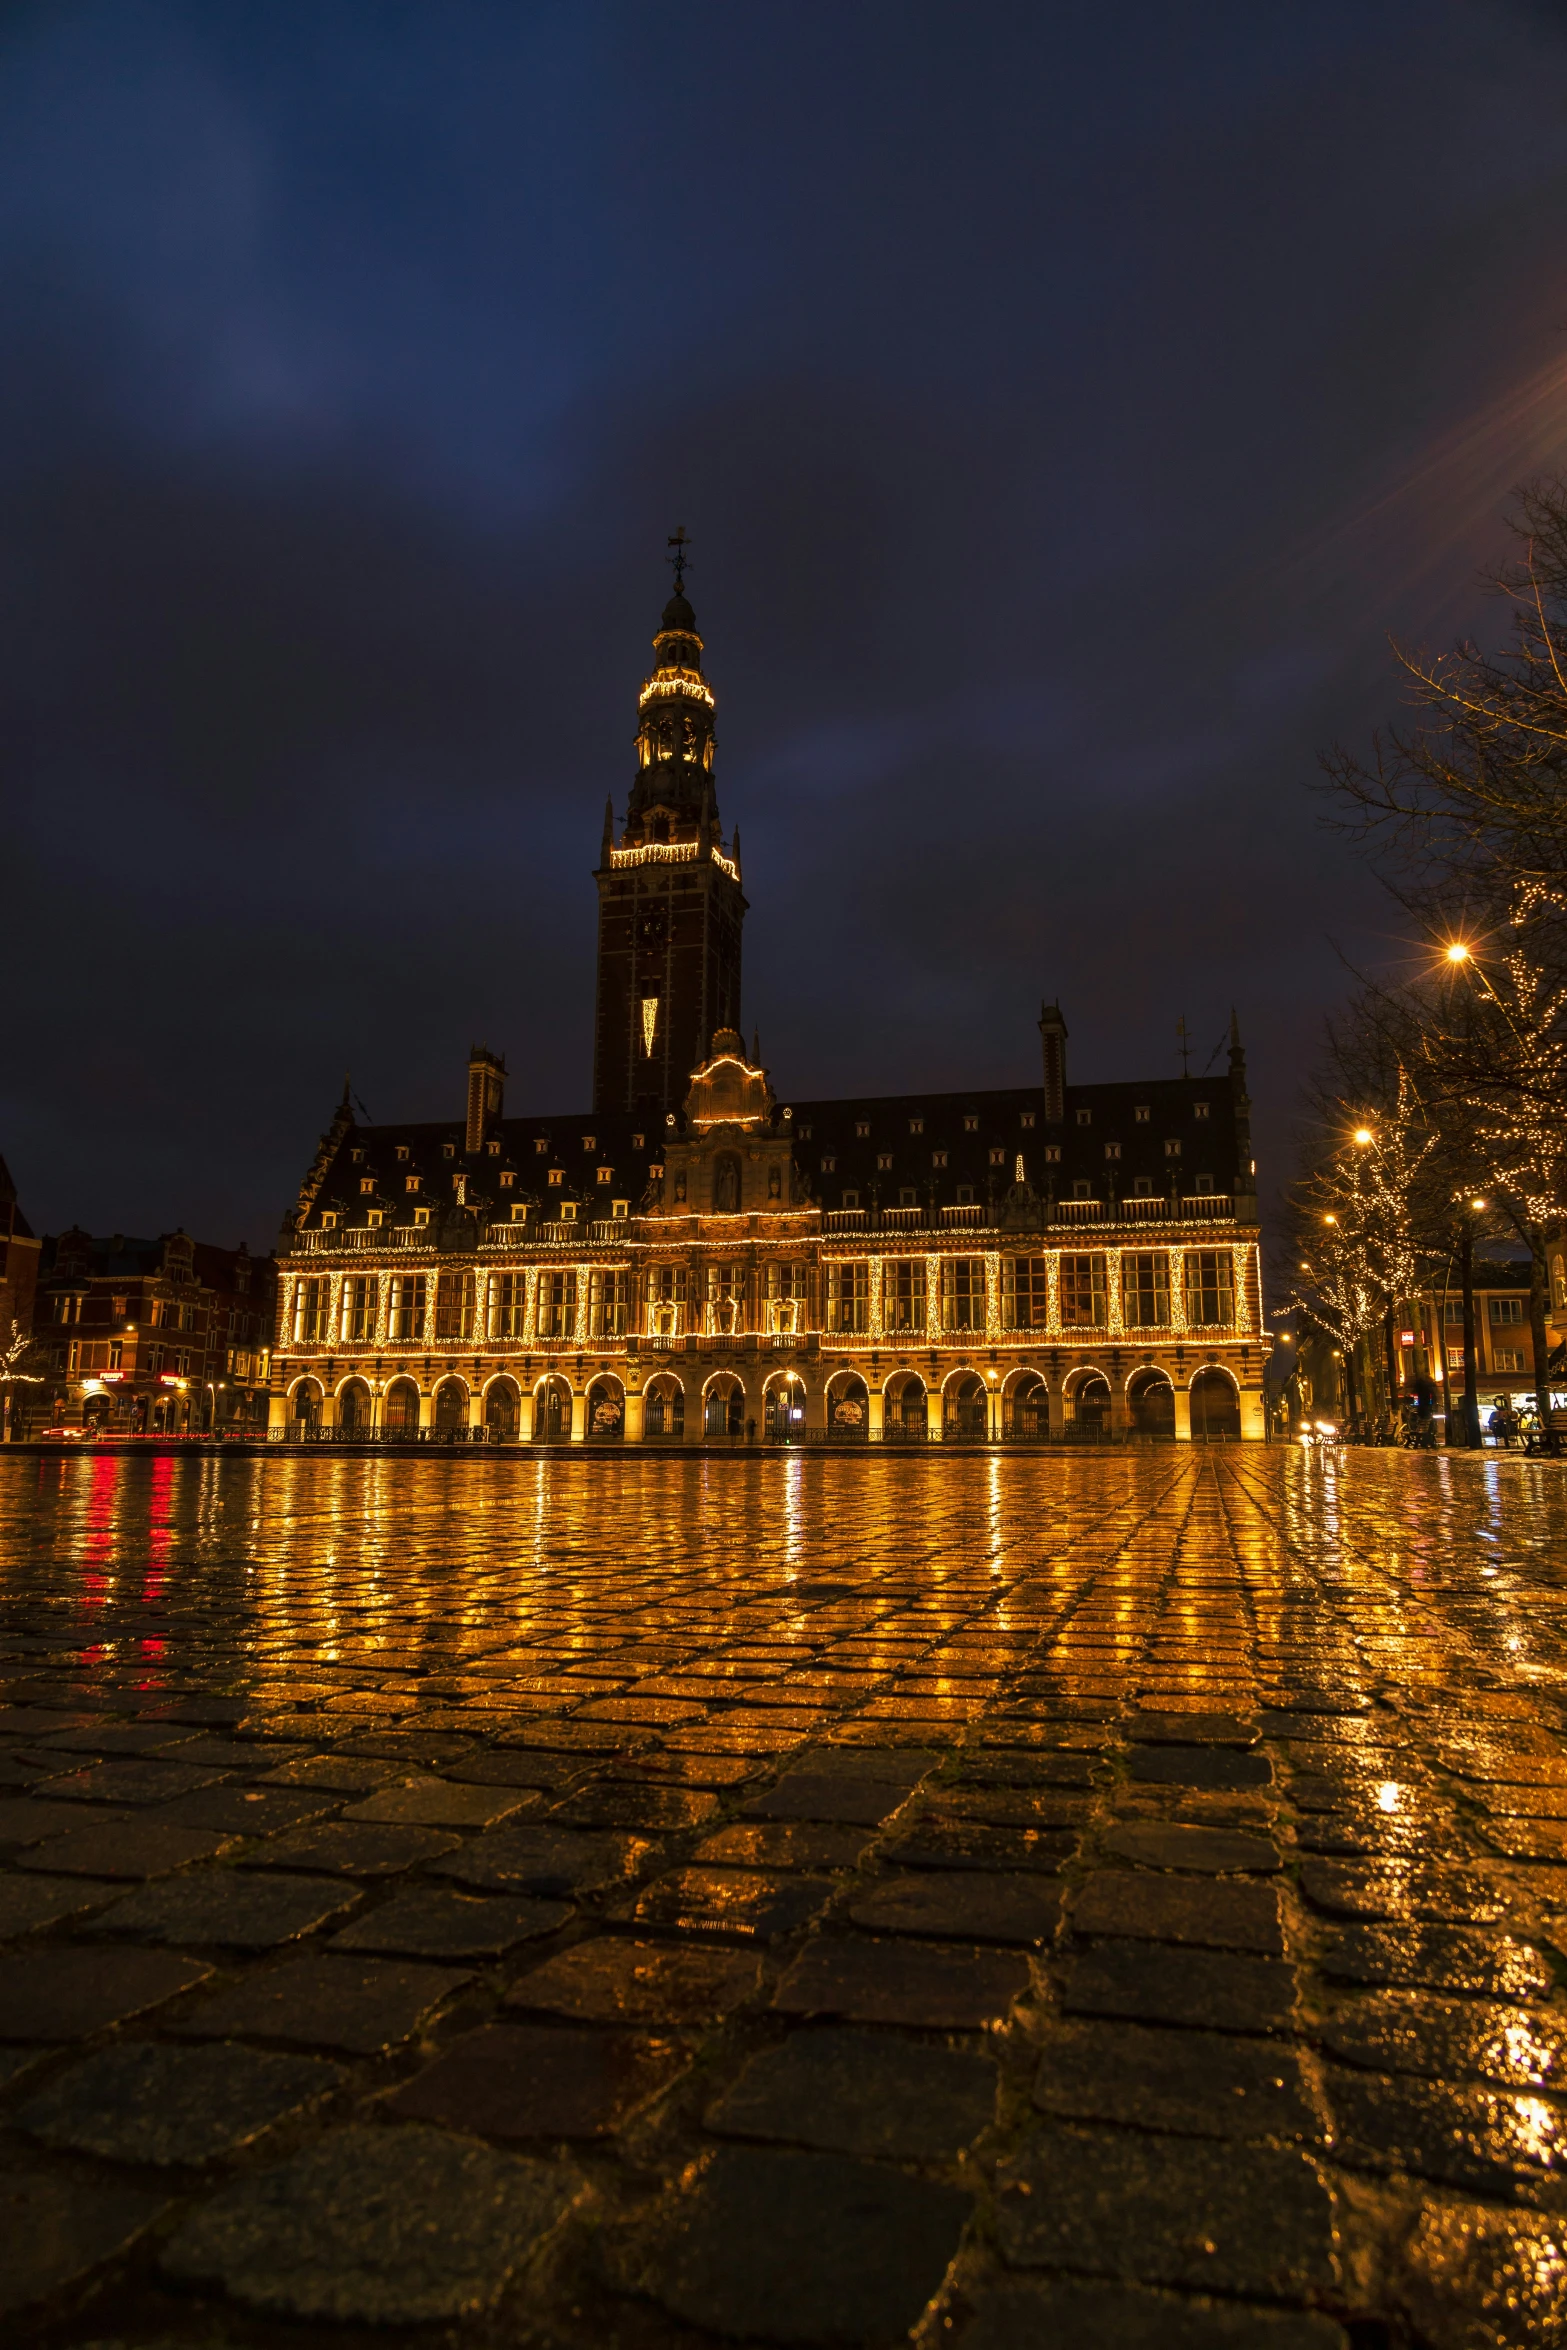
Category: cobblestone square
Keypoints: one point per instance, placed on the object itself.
(1102, 1898)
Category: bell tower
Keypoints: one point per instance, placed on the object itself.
(670, 900)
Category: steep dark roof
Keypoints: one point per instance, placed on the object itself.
(941, 1145)
(12, 1221)
(974, 1140)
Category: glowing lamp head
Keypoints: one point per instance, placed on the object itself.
(1458, 952)
(1330, 1219)
(1363, 1135)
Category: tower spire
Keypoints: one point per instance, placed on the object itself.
(670, 902)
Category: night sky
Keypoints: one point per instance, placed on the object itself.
(1065, 403)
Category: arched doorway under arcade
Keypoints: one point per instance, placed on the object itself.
(965, 1408)
(1216, 1406)
(1150, 1402)
(663, 1408)
(1025, 1409)
(354, 1408)
(400, 1410)
(784, 1408)
(848, 1408)
(1088, 1405)
(723, 1408)
(450, 1417)
(606, 1414)
(906, 1417)
(552, 1411)
(501, 1400)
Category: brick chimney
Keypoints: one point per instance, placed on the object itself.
(1052, 1037)
(486, 1094)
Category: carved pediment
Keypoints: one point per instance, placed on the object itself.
(728, 1090)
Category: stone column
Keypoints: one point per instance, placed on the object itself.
(579, 1415)
(874, 1408)
(1183, 1411)
(525, 1416)
(816, 1408)
(633, 1434)
(994, 1402)
(1254, 1418)
(277, 1414)
(1056, 1401)
(426, 1409)
(935, 1415)
(475, 1411)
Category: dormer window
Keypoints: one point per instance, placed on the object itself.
(1052, 1154)
(804, 1133)
(374, 1218)
(508, 1178)
(328, 1220)
(356, 1158)
(421, 1215)
(590, 1142)
(884, 1161)
(639, 1142)
(965, 1195)
(410, 1183)
(1082, 1189)
(998, 1158)
(1027, 1119)
(1142, 1188)
(829, 1166)
(916, 1125)
(605, 1174)
(619, 1208)
(448, 1150)
(1199, 1109)
(557, 1177)
(1143, 1114)
(971, 1124)
(402, 1150)
(519, 1211)
(568, 1211)
(862, 1127)
(938, 1158)
(494, 1149)
(367, 1183)
(1112, 1150)
(1085, 1117)
(541, 1144)
(851, 1199)
(908, 1197)
(1204, 1187)
(1172, 1150)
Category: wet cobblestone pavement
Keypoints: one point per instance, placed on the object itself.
(1117, 1900)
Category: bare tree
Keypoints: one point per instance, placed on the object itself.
(1465, 805)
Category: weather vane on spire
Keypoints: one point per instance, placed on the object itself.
(677, 561)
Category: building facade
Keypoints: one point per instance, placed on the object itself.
(694, 1259)
(153, 1337)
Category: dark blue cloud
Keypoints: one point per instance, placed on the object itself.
(1065, 403)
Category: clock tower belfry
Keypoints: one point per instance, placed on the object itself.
(670, 898)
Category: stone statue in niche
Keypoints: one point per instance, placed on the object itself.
(774, 1183)
(726, 1185)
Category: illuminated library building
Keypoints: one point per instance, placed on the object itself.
(694, 1260)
